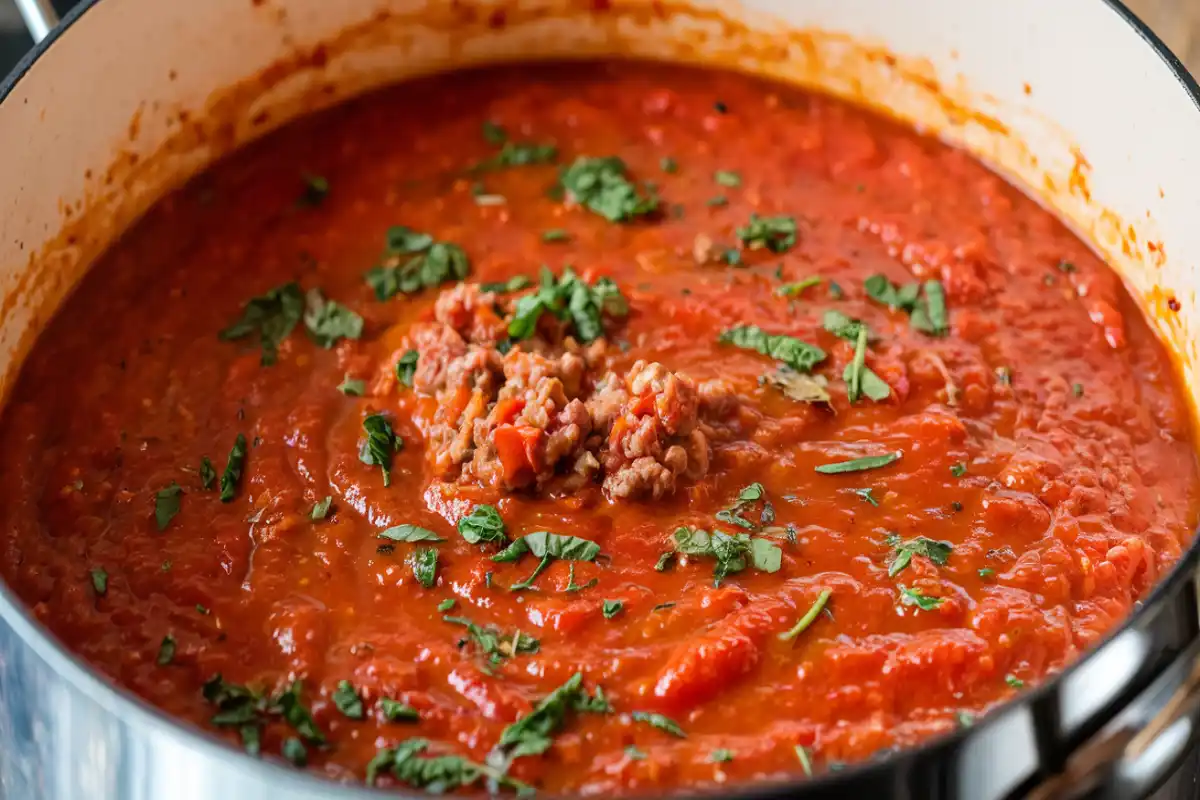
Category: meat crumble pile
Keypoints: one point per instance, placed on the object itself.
(545, 414)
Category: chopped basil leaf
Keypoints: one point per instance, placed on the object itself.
(859, 378)
(572, 586)
(232, 475)
(437, 774)
(1077, 389)
(208, 475)
(720, 756)
(717, 201)
(727, 178)
(446, 604)
(793, 289)
(290, 705)
(799, 386)
(166, 651)
(518, 154)
(352, 387)
(866, 494)
(483, 524)
(409, 533)
(329, 322)
(513, 284)
(935, 551)
(533, 733)
(986, 572)
(273, 315)
(406, 367)
(797, 354)
(965, 719)
(202, 610)
(413, 261)
(611, 608)
(380, 445)
(809, 617)
(664, 724)
(553, 545)
(859, 464)
(494, 645)
(634, 754)
(316, 189)
(663, 607)
(666, 561)
(668, 164)
(237, 707)
(99, 580)
(915, 597)
(600, 185)
(1014, 682)
(166, 505)
(805, 759)
(555, 235)
(294, 751)
(835, 290)
(748, 496)
(569, 298)
(347, 700)
(881, 290)
(777, 234)
(930, 316)
(395, 711)
(1066, 266)
(733, 553)
(732, 256)
(424, 564)
(843, 326)
(959, 469)
(320, 509)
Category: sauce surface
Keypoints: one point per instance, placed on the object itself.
(1046, 475)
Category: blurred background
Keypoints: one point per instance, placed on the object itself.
(1176, 21)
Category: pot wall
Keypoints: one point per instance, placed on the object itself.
(138, 94)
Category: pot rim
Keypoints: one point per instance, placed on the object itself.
(125, 704)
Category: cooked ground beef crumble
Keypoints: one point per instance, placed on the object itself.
(546, 414)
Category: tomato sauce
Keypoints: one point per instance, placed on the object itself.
(1046, 476)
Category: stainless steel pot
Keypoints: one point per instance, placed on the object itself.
(1075, 100)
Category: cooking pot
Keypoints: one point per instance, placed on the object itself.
(1074, 100)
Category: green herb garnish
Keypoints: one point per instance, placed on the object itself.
(409, 533)
(569, 298)
(232, 476)
(406, 367)
(513, 284)
(99, 580)
(935, 551)
(346, 698)
(395, 711)
(727, 178)
(959, 469)
(316, 189)
(294, 751)
(273, 315)
(320, 509)
(601, 185)
(329, 322)
(861, 379)
(166, 651)
(793, 289)
(446, 604)
(555, 235)
(1014, 682)
(659, 721)
(166, 505)
(611, 608)
(380, 445)
(915, 597)
(483, 524)
(809, 616)
(436, 774)
(668, 165)
(799, 355)
(986, 573)
(733, 553)
(208, 475)
(352, 387)
(548, 547)
(859, 464)
(413, 261)
(494, 645)
(424, 564)
(777, 234)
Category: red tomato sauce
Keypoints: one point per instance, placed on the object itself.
(1046, 479)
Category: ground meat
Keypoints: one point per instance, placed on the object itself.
(538, 417)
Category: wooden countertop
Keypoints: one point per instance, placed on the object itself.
(1177, 22)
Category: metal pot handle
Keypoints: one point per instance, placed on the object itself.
(40, 17)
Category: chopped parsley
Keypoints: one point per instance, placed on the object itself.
(273, 316)
(555, 235)
(732, 553)
(809, 617)
(406, 367)
(166, 651)
(518, 154)
(728, 178)
(208, 475)
(859, 464)
(749, 496)
(867, 495)
(799, 355)
(611, 608)
(320, 509)
(572, 299)
(166, 505)
(409, 533)
(329, 322)
(99, 580)
(717, 201)
(424, 564)
(446, 605)
(777, 234)
(347, 700)
(494, 133)
(959, 469)
(232, 476)
(666, 561)
(492, 644)
(935, 551)
(793, 289)
(483, 524)
(413, 261)
(352, 387)
(665, 724)
(395, 711)
(601, 186)
(380, 445)
(915, 597)
(1014, 682)
(986, 573)
(924, 302)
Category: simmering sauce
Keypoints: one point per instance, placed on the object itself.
(810, 439)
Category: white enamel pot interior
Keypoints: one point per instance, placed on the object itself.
(128, 98)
